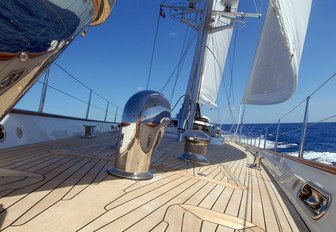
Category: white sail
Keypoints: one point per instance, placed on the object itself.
(217, 47)
(274, 74)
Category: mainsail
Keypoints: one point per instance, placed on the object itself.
(217, 47)
(274, 74)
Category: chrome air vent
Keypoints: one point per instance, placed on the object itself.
(145, 118)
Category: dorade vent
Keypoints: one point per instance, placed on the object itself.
(145, 118)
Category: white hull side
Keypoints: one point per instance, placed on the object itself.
(37, 129)
(291, 175)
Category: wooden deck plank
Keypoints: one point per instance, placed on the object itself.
(18, 160)
(74, 214)
(132, 211)
(271, 219)
(6, 181)
(245, 208)
(224, 229)
(160, 227)
(210, 199)
(258, 216)
(209, 227)
(57, 193)
(36, 166)
(65, 185)
(143, 192)
(223, 200)
(26, 203)
(163, 212)
(198, 197)
(26, 181)
(174, 218)
(94, 174)
(287, 222)
(191, 222)
(22, 191)
(236, 197)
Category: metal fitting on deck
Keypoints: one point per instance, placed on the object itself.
(195, 148)
(256, 162)
(145, 118)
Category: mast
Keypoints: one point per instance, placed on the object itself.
(205, 75)
(187, 112)
(197, 66)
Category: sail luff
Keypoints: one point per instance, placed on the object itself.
(217, 48)
(274, 73)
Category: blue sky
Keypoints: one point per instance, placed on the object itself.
(114, 60)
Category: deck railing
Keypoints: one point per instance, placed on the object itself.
(273, 131)
(93, 105)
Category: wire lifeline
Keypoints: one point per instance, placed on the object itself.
(72, 76)
(183, 50)
(177, 65)
(69, 95)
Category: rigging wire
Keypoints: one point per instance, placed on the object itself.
(177, 102)
(229, 92)
(324, 83)
(322, 120)
(309, 125)
(154, 45)
(229, 105)
(240, 117)
(303, 101)
(180, 66)
(176, 67)
(310, 95)
(232, 61)
(316, 90)
(256, 42)
(255, 5)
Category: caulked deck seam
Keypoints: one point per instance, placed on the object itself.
(148, 205)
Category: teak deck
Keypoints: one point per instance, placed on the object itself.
(63, 186)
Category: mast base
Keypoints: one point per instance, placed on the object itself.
(195, 149)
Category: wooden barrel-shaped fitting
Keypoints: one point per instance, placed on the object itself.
(195, 150)
(196, 145)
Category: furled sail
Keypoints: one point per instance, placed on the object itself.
(274, 74)
(217, 47)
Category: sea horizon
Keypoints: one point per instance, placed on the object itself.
(319, 145)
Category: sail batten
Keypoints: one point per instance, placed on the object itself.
(217, 47)
(274, 73)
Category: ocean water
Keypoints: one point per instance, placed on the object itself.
(31, 26)
(320, 144)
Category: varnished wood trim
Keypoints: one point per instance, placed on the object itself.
(8, 55)
(314, 164)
